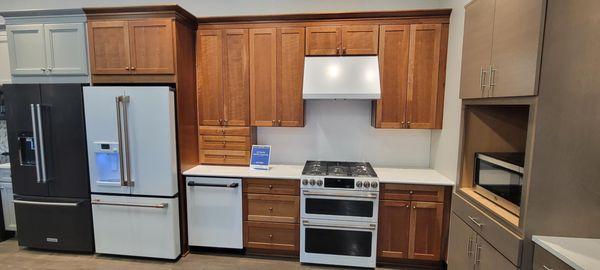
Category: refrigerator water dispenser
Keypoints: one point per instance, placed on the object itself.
(27, 149)
(107, 163)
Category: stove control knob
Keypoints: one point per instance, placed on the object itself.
(359, 184)
(304, 182)
(367, 184)
(312, 182)
(374, 184)
(319, 182)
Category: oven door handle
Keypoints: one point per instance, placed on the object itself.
(338, 194)
(307, 223)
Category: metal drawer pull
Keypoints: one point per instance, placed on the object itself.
(309, 224)
(194, 184)
(160, 205)
(336, 194)
(474, 220)
(470, 246)
(478, 253)
(546, 267)
(47, 203)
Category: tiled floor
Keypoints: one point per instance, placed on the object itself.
(15, 258)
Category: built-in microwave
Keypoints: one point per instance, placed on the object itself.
(499, 177)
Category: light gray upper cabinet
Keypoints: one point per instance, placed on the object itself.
(502, 48)
(47, 49)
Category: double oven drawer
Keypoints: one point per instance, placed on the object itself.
(340, 205)
(273, 208)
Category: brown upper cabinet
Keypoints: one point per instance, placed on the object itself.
(142, 46)
(412, 60)
(342, 40)
(222, 74)
(502, 48)
(276, 74)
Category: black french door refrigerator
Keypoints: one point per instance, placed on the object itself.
(48, 157)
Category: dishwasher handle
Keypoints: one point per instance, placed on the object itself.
(194, 184)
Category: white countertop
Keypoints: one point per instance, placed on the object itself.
(386, 175)
(579, 253)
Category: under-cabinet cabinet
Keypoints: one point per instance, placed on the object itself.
(502, 48)
(412, 60)
(271, 216)
(276, 74)
(412, 222)
(342, 40)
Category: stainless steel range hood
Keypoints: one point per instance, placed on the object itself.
(341, 77)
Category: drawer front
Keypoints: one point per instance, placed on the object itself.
(232, 131)
(225, 142)
(505, 241)
(413, 192)
(272, 186)
(229, 157)
(276, 236)
(273, 208)
(544, 260)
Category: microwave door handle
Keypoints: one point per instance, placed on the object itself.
(124, 102)
(41, 145)
(35, 142)
(120, 141)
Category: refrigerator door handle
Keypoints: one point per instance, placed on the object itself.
(69, 204)
(124, 102)
(120, 141)
(41, 144)
(35, 141)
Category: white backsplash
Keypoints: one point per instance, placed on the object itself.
(341, 130)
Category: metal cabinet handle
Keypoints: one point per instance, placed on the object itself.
(470, 246)
(35, 141)
(337, 50)
(126, 68)
(482, 82)
(474, 220)
(546, 267)
(194, 184)
(477, 253)
(160, 205)
(75, 204)
(41, 143)
(492, 80)
(43, 69)
(270, 236)
(225, 121)
(132, 68)
(49, 68)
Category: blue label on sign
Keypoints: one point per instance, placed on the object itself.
(261, 156)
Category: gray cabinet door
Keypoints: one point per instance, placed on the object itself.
(516, 47)
(488, 258)
(477, 48)
(461, 245)
(65, 49)
(26, 49)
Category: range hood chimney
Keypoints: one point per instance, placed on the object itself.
(341, 77)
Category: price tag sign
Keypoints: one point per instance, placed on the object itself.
(260, 157)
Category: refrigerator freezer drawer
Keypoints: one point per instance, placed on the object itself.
(136, 226)
(54, 224)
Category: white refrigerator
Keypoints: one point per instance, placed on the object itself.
(133, 170)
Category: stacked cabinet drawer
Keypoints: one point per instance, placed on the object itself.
(271, 216)
(411, 222)
(226, 145)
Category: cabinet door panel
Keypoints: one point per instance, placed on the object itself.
(66, 49)
(360, 39)
(516, 43)
(477, 48)
(425, 231)
(26, 49)
(393, 67)
(323, 40)
(236, 91)
(209, 58)
(109, 47)
(394, 223)
(263, 67)
(151, 43)
(423, 75)
(461, 245)
(290, 73)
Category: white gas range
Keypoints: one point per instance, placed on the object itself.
(339, 212)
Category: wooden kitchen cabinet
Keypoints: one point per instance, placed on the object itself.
(223, 83)
(271, 216)
(412, 70)
(342, 40)
(226, 145)
(412, 229)
(109, 47)
(502, 48)
(276, 74)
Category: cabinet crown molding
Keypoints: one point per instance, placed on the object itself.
(136, 12)
(15, 17)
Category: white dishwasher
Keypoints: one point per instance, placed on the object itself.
(214, 208)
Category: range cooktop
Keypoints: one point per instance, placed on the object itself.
(338, 168)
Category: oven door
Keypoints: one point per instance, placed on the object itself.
(340, 205)
(338, 243)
